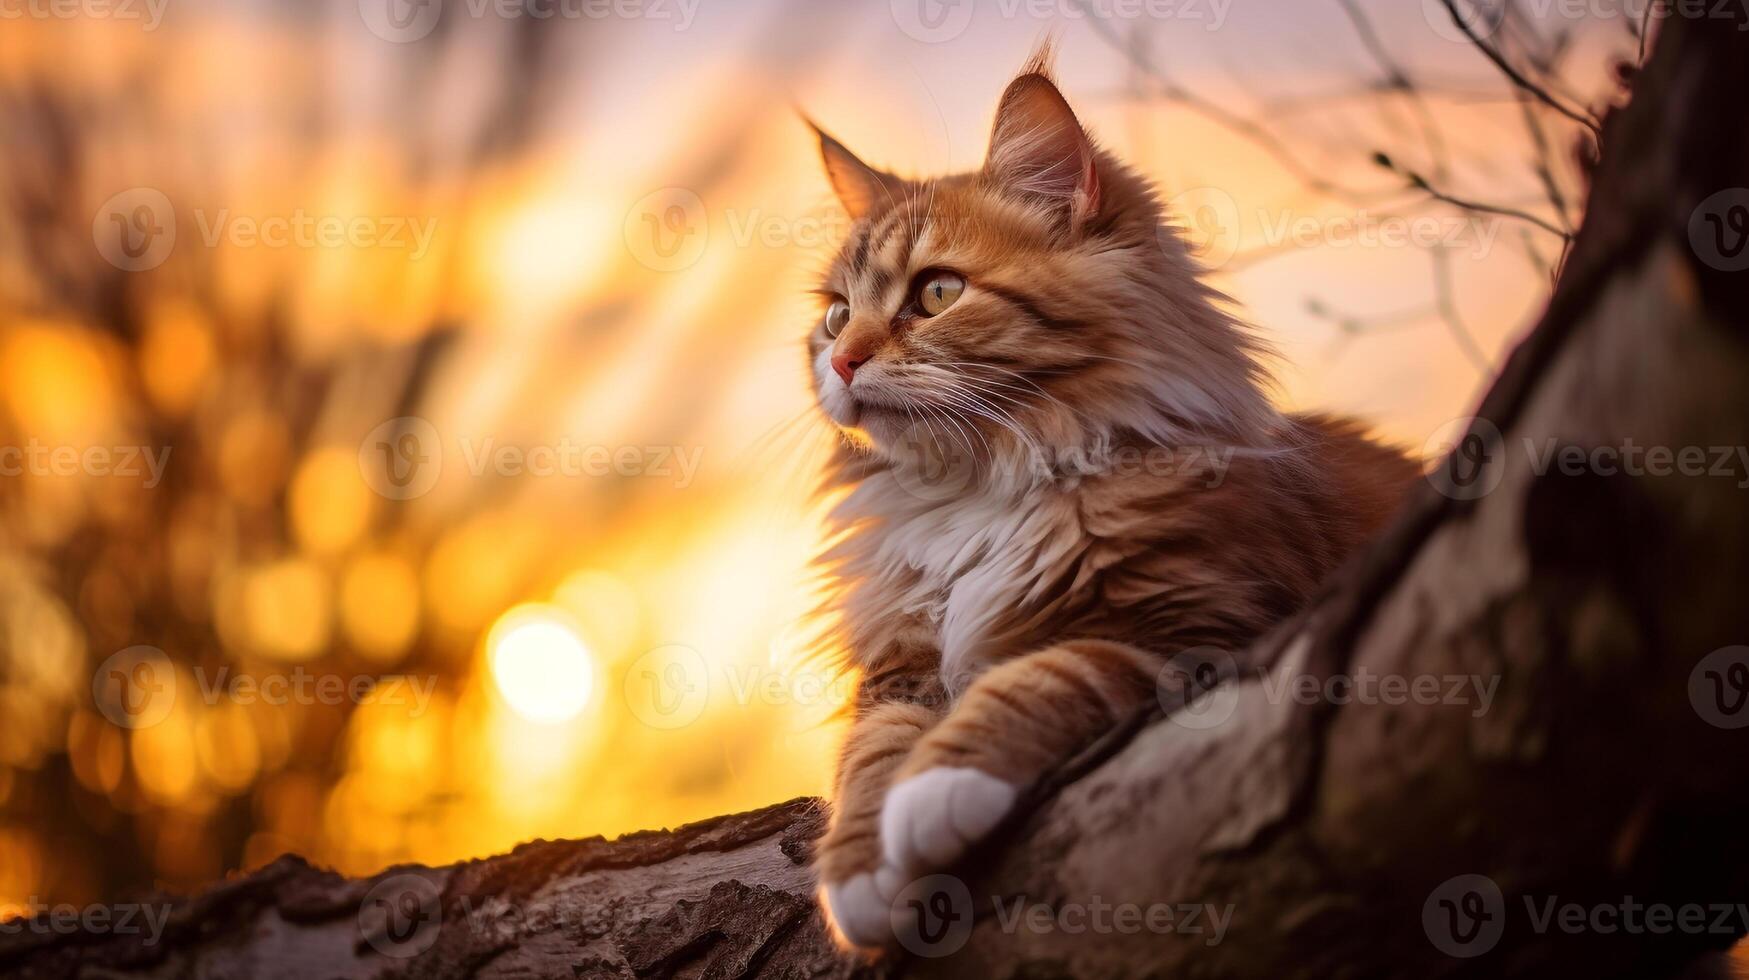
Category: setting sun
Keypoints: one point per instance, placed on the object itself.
(540, 666)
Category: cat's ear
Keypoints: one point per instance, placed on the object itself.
(860, 187)
(1038, 148)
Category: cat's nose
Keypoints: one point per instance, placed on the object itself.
(846, 366)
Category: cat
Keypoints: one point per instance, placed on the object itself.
(1061, 467)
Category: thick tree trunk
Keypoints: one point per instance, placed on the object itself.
(1572, 626)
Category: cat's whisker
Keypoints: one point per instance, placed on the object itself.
(1009, 372)
(979, 388)
(945, 417)
(969, 401)
(955, 420)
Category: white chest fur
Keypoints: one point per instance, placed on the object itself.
(970, 562)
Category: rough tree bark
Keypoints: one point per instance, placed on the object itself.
(1605, 769)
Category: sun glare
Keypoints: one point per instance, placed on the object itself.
(539, 664)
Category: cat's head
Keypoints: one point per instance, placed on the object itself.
(1036, 304)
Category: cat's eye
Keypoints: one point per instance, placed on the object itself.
(837, 315)
(938, 291)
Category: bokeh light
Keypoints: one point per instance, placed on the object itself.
(539, 664)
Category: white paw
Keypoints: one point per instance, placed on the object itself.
(862, 915)
(930, 819)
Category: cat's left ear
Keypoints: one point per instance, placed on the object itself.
(860, 187)
(1038, 148)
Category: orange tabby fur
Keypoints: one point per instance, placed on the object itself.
(1067, 476)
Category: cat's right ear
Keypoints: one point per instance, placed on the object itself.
(860, 187)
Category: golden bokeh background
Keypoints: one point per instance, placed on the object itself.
(414, 433)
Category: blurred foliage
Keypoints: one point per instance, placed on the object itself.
(267, 550)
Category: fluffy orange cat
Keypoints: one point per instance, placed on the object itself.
(1062, 468)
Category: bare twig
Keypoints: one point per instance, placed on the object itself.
(1517, 77)
(1421, 183)
(1248, 129)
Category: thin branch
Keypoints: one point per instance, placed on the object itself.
(1519, 78)
(1421, 183)
(1396, 79)
(1543, 159)
(1645, 29)
(1247, 128)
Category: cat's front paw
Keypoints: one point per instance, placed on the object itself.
(861, 906)
(858, 910)
(930, 819)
